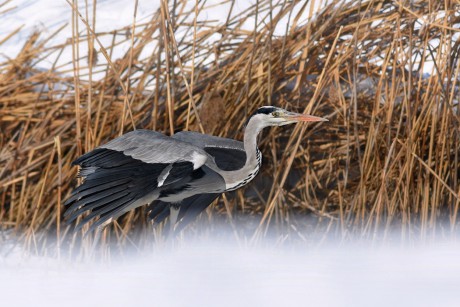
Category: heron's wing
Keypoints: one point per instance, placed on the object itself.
(204, 140)
(154, 147)
(228, 154)
(190, 208)
(227, 159)
(122, 174)
(158, 211)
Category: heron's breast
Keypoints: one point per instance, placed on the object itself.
(251, 174)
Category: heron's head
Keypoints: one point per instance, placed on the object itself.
(273, 116)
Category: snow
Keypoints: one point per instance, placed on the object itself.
(47, 16)
(216, 274)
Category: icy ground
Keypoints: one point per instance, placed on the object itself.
(215, 274)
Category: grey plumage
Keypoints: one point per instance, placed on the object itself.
(188, 171)
(153, 147)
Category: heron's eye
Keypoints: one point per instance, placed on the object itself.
(276, 114)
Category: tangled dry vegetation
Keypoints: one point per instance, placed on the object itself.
(383, 72)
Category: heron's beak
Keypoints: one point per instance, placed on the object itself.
(297, 117)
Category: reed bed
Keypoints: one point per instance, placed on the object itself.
(383, 72)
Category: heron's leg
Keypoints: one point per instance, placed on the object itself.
(173, 214)
(97, 238)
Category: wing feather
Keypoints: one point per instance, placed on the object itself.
(124, 172)
(190, 208)
(228, 154)
(93, 202)
(116, 181)
(87, 189)
(203, 140)
(159, 211)
(153, 147)
(227, 159)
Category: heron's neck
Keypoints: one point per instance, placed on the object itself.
(237, 178)
(250, 142)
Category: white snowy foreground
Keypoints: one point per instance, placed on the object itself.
(213, 274)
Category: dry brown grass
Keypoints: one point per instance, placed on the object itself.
(387, 162)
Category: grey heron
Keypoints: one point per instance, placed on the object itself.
(179, 176)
